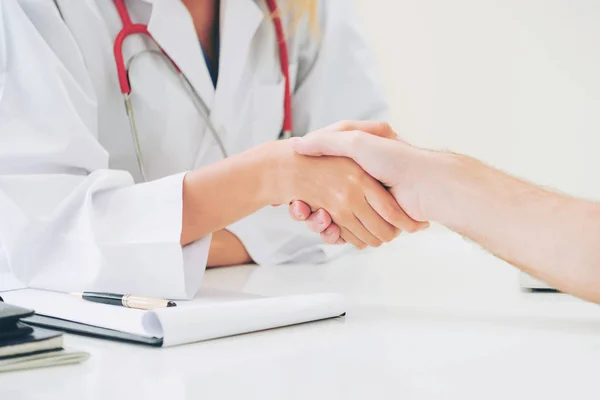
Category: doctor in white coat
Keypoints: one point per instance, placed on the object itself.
(75, 213)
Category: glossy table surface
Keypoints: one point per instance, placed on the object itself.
(431, 316)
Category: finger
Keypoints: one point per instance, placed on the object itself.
(375, 223)
(384, 204)
(299, 210)
(377, 128)
(338, 139)
(318, 221)
(340, 241)
(324, 144)
(337, 143)
(355, 226)
(332, 235)
(352, 239)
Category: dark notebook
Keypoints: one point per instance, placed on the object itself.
(16, 331)
(25, 347)
(10, 315)
(39, 340)
(10, 327)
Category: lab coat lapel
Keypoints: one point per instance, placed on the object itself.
(173, 29)
(239, 22)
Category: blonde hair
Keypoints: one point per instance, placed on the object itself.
(297, 10)
(301, 8)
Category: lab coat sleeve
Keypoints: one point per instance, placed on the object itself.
(337, 79)
(68, 222)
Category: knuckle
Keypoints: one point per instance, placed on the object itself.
(325, 217)
(344, 199)
(335, 237)
(353, 179)
(356, 178)
(334, 229)
(295, 216)
(328, 238)
(353, 134)
(353, 139)
(356, 142)
(322, 227)
(313, 227)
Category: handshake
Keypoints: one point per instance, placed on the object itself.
(373, 183)
(389, 186)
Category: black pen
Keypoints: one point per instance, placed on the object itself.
(125, 300)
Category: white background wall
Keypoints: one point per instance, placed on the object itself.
(513, 82)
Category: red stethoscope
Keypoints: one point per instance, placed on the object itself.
(129, 29)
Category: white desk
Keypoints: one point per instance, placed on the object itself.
(431, 317)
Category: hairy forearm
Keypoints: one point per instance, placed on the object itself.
(222, 193)
(548, 235)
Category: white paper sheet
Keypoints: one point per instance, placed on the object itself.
(201, 321)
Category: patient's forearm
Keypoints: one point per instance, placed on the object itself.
(554, 237)
(226, 249)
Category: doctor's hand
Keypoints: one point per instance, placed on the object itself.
(396, 164)
(319, 222)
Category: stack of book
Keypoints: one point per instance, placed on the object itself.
(25, 347)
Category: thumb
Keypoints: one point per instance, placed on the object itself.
(325, 144)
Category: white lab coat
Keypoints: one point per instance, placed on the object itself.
(73, 215)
